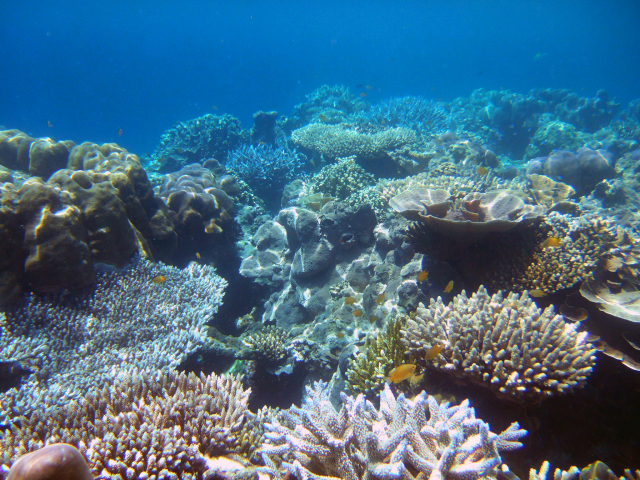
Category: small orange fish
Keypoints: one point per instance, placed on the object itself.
(198, 256)
(380, 299)
(349, 300)
(537, 293)
(449, 287)
(401, 373)
(551, 242)
(214, 108)
(49, 124)
(362, 94)
(373, 319)
(357, 313)
(119, 132)
(433, 352)
(160, 279)
(323, 117)
(369, 87)
(482, 170)
(423, 275)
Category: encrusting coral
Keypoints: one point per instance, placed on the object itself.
(397, 441)
(141, 426)
(89, 335)
(503, 342)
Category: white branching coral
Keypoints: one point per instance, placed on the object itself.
(359, 442)
(505, 343)
(148, 317)
(141, 426)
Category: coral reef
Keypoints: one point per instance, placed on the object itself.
(193, 141)
(330, 104)
(264, 128)
(341, 179)
(555, 136)
(396, 441)
(503, 342)
(90, 336)
(141, 426)
(270, 344)
(266, 169)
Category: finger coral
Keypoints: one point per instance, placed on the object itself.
(503, 342)
(141, 426)
(92, 335)
(270, 343)
(395, 442)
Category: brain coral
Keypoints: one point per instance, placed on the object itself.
(78, 341)
(503, 342)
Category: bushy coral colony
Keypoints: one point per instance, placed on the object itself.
(413, 253)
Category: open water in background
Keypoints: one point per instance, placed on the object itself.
(94, 67)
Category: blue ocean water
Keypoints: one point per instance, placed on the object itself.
(92, 68)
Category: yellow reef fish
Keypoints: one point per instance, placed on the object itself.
(373, 319)
(401, 373)
(357, 313)
(449, 287)
(482, 170)
(119, 132)
(198, 256)
(340, 335)
(422, 276)
(551, 242)
(537, 293)
(160, 279)
(380, 299)
(349, 300)
(433, 352)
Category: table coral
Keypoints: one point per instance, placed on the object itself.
(88, 334)
(503, 342)
(141, 426)
(395, 442)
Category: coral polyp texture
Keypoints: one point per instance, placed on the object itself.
(503, 342)
(395, 442)
(141, 426)
(148, 317)
(416, 113)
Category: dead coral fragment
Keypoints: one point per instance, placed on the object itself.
(505, 343)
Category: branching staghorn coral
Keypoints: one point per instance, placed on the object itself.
(270, 344)
(360, 442)
(505, 343)
(583, 241)
(141, 426)
(125, 322)
(381, 353)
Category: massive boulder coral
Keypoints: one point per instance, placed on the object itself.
(141, 425)
(395, 442)
(503, 342)
(88, 334)
(53, 462)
